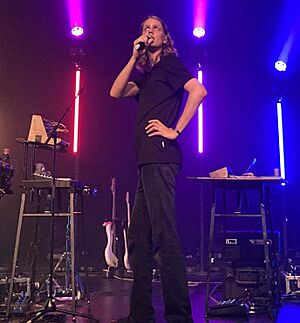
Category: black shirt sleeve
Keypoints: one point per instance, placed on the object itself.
(137, 81)
(175, 72)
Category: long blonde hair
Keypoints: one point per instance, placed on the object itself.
(143, 62)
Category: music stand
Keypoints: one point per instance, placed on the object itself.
(50, 306)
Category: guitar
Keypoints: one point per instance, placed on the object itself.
(125, 229)
(110, 229)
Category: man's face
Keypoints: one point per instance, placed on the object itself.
(154, 28)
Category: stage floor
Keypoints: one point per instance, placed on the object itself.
(109, 300)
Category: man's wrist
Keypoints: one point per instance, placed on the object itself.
(133, 60)
(178, 131)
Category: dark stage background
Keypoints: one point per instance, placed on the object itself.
(237, 55)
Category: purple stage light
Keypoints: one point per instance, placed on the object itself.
(77, 31)
(199, 32)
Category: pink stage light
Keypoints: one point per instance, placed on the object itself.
(77, 31)
(76, 112)
(75, 9)
(199, 18)
(199, 32)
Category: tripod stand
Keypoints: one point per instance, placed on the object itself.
(66, 258)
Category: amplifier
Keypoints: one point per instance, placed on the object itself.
(244, 271)
(246, 248)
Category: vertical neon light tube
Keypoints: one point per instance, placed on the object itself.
(200, 116)
(280, 138)
(76, 112)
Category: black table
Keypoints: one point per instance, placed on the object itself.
(239, 184)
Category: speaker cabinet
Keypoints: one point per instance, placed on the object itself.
(244, 272)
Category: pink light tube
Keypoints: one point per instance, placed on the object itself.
(76, 112)
(200, 117)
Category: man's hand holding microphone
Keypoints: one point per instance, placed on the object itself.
(141, 44)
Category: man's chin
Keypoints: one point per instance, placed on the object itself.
(154, 49)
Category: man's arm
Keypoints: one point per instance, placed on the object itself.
(121, 87)
(196, 94)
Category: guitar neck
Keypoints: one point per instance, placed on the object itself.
(113, 192)
(114, 216)
(113, 212)
(128, 207)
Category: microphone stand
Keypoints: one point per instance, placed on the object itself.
(50, 306)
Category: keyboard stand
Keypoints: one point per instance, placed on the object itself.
(46, 184)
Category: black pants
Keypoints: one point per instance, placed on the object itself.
(153, 233)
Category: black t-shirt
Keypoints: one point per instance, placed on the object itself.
(160, 97)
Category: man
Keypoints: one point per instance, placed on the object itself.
(152, 231)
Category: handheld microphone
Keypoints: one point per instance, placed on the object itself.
(142, 45)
